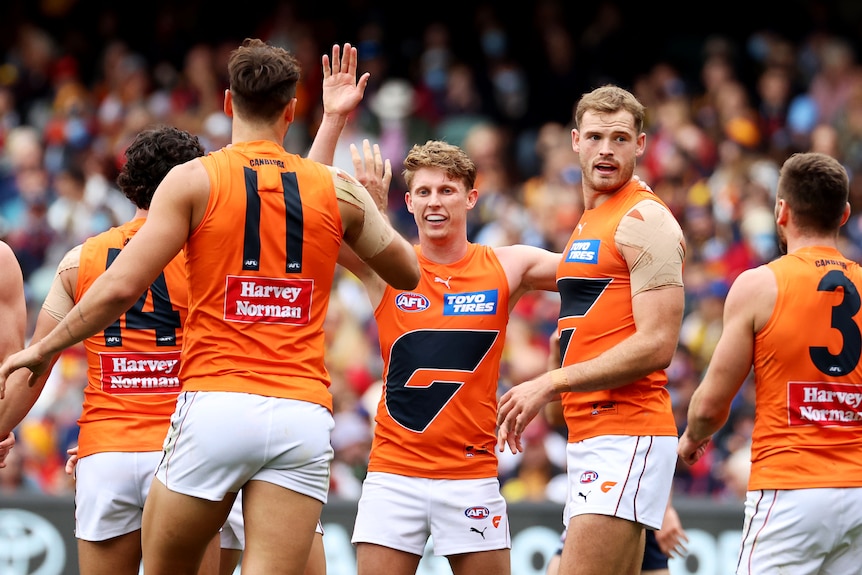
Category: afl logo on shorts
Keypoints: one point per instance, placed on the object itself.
(411, 302)
(477, 512)
(589, 476)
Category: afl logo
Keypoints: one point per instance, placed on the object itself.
(589, 476)
(477, 512)
(411, 302)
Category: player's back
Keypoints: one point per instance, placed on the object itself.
(808, 377)
(133, 365)
(260, 266)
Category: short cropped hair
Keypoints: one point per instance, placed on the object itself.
(816, 187)
(263, 79)
(441, 155)
(610, 99)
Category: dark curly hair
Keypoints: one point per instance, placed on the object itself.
(150, 157)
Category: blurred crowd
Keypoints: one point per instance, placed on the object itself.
(717, 135)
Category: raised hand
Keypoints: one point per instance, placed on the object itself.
(342, 91)
(373, 172)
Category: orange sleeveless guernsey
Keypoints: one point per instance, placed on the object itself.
(441, 347)
(808, 379)
(260, 269)
(596, 314)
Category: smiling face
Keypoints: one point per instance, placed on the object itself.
(439, 204)
(608, 145)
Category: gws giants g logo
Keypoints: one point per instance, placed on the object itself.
(411, 302)
(477, 512)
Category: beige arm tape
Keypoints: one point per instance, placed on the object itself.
(376, 232)
(58, 302)
(652, 230)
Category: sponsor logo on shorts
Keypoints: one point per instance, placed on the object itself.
(470, 303)
(411, 302)
(482, 532)
(589, 476)
(137, 373)
(584, 251)
(478, 512)
(268, 300)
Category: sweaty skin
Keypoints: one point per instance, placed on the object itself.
(652, 231)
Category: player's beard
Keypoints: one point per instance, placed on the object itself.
(782, 242)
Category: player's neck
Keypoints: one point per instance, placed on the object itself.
(246, 132)
(445, 251)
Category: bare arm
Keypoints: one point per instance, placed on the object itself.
(13, 309)
(342, 93)
(23, 387)
(750, 300)
(13, 319)
(528, 268)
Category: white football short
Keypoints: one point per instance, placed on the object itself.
(232, 534)
(460, 515)
(622, 476)
(110, 490)
(218, 441)
(802, 531)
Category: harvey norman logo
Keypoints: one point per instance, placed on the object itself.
(824, 404)
(268, 300)
(136, 373)
(584, 251)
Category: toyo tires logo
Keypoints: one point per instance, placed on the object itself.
(29, 544)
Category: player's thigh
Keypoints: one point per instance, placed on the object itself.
(177, 529)
(119, 555)
(599, 544)
(373, 559)
(494, 562)
(280, 526)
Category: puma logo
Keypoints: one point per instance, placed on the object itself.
(482, 532)
(445, 282)
(581, 228)
(584, 495)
